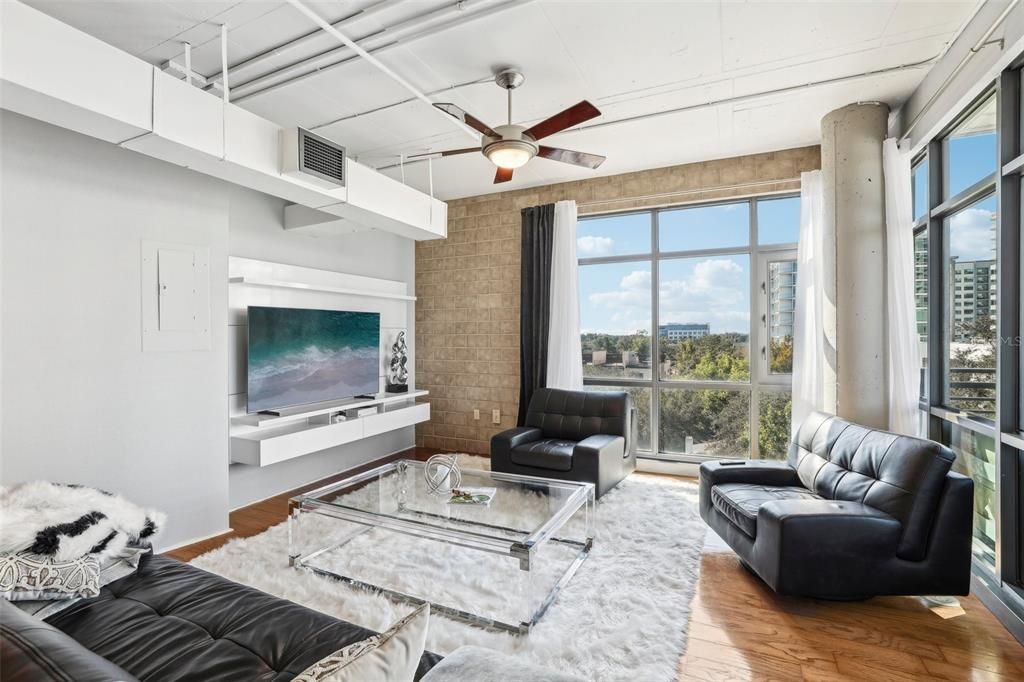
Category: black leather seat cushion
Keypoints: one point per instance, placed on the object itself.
(32, 650)
(740, 502)
(172, 621)
(546, 453)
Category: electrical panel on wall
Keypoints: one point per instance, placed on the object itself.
(175, 297)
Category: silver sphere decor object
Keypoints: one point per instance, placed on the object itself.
(442, 473)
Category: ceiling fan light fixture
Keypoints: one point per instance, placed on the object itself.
(510, 153)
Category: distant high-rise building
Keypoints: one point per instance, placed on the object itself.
(972, 295)
(677, 332)
(782, 298)
(921, 285)
(972, 291)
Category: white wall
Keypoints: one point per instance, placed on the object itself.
(256, 232)
(82, 402)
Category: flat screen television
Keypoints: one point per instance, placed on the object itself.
(298, 356)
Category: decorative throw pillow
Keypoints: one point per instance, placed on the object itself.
(391, 656)
(110, 570)
(69, 521)
(27, 576)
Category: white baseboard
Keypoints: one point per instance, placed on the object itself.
(186, 543)
(660, 466)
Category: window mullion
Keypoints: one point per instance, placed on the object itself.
(754, 333)
(655, 418)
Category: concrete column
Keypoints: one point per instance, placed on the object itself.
(854, 202)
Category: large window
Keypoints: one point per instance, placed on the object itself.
(691, 310)
(967, 253)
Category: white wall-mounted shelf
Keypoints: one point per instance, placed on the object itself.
(281, 284)
(261, 440)
(265, 421)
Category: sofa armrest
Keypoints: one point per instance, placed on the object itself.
(503, 443)
(814, 546)
(600, 445)
(31, 649)
(763, 471)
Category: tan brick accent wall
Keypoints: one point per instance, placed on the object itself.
(467, 312)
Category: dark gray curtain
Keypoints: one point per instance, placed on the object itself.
(535, 302)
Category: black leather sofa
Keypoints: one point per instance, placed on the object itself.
(172, 621)
(853, 513)
(584, 436)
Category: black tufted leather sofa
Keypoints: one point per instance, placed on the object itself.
(571, 435)
(853, 513)
(172, 621)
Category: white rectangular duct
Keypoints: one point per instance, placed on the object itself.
(105, 95)
(60, 75)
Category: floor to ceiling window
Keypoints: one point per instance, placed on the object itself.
(691, 310)
(967, 223)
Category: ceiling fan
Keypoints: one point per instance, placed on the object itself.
(510, 146)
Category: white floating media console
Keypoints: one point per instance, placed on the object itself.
(262, 440)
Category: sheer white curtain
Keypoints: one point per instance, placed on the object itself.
(901, 315)
(808, 326)
(565, 353)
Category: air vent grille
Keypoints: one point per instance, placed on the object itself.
(322, 157)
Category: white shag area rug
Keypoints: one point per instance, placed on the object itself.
(623, 616)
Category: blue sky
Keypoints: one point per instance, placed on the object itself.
(616, 298)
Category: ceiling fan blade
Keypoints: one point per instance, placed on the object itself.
(569, 156)
(450, 152)
(503, 175)
(470, 120)
(574, 115)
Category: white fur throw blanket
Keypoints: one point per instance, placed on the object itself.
(69, 521)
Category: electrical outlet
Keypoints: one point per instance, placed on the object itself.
(496, 416)
(476, 415)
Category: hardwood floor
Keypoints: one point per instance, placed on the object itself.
(740, 630)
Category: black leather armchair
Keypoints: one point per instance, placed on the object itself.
(854, 513)
(571, 435)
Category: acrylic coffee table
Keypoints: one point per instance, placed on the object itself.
(498, 566)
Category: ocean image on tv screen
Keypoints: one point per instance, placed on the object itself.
(305, 356)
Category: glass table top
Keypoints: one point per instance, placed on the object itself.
(523, 509)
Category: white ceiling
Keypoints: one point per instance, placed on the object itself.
(628, 58)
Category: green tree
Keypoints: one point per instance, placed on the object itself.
(773, 425)
(782, 355)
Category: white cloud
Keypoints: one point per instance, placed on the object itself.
(971, 235)
(638, 279)
(634, 291)
(594, 247)
(715, 291)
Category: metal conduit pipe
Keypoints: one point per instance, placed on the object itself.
(733, 100)
(247, 65)
(405, 39)
(977, 47)
(489, 79)
(314, 63)
(313, 16)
